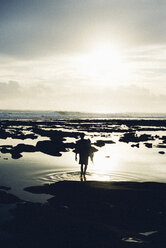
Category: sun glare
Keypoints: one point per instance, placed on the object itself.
(104, 64)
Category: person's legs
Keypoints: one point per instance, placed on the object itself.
(85, 168)
(82, 169)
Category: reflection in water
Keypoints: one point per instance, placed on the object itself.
(83, 178)
(105, 160)
(133, 240)
(113, 162)
(117, 162)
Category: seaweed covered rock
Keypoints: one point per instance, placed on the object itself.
(50, 147)
(148, 145)
(17, 150)
(101, 143)
(133, 137)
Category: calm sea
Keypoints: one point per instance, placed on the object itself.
(18, 114)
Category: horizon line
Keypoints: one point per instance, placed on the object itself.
(83, 112)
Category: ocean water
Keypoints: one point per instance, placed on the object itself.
(18, 114)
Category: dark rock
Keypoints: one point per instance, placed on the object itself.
(5, 188)
(45, 189)
(129, 137)
(91, 214)
(132, 137)
(6, 150)
(35, 225)
(69, 145)
(17, 150)
(24, 136)
(16, 134)
(7, 198)
(148, 145)
(161, 146)
(164, 139)
(24, 148)
(4, 134)
(50, 147)
(16, 155)
(135, 145)
(135, 204)
(101, 143)
(161, 152)
(55, 135)
(145, 137)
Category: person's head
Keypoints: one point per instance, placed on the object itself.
(82, 135)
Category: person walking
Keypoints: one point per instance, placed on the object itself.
(83, 148)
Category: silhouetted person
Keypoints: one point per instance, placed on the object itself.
(83, 147)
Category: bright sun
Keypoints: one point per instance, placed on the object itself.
(103, 63)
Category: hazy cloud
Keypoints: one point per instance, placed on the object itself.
(113, 99)
(119, 99)
(9, 90)
(35, 28)
(40, 45)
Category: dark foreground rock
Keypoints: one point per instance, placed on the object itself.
(7, 198)
(4, 188)
(91, 214)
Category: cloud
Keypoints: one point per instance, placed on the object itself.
(114, 99)
(40, 42)
(134, 99)
(37, 28)
(9, 90)
(94, 99)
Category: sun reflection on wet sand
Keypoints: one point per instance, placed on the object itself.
(105, 160)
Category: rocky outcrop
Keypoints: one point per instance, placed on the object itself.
(133, 137)
(17, 150)
(101, 143)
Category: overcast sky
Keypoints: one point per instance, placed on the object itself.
(83, 55)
